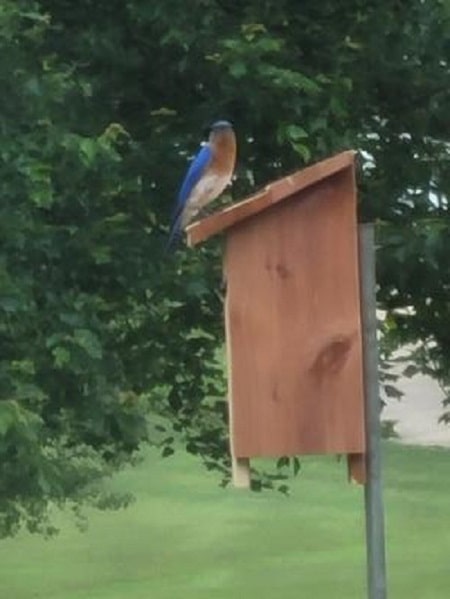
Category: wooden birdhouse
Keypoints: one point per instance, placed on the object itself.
(292, 316)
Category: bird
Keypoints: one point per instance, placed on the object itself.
(208, 175)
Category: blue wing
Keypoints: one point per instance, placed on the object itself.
(193, 176)
(197, 168)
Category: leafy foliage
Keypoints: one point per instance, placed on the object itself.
(102, 104)
(67, 416)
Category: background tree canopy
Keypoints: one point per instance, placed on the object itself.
(105, 342)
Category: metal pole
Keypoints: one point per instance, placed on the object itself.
(376, 561)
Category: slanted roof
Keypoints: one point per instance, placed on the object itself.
(272, 194)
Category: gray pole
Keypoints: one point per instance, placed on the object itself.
(376, 562)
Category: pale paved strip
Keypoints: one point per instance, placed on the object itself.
(417, 413)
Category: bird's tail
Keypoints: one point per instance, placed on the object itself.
(175, 233)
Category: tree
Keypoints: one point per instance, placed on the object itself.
(66, 416)
(102, 104)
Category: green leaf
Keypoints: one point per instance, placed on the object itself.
(8, 416)
(282, 462)
(392, 391)
(88, 151)
(101, 254)
(410, 370)
(89, 342)
(283, 489)
(163, 111)
(238, 69)
(10, 304)
(251, 30)
(295, 132)
(61, 356)
(303, 151)
(199, 334)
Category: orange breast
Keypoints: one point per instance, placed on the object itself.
(223, 145)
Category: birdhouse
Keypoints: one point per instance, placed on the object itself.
(292, 316)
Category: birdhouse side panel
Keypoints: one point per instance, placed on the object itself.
(293, 326)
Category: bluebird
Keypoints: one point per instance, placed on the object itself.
(208, 175)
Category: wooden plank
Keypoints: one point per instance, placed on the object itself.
(293, 323)
(356, 463)
(240, 467)
(240, 472)
(271, 195)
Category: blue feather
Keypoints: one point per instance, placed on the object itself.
(193, 176)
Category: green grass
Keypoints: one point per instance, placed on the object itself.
(184, 537)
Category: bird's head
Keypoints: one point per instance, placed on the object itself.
(221, 126)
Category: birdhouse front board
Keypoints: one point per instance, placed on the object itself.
(293, 316)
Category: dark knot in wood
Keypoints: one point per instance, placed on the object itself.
(283, 271)
(332, 356)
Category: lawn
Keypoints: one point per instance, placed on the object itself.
(185, 537)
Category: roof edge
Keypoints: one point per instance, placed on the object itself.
(271, 194)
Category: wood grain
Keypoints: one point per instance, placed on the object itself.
(269, 196)
(293, 324)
